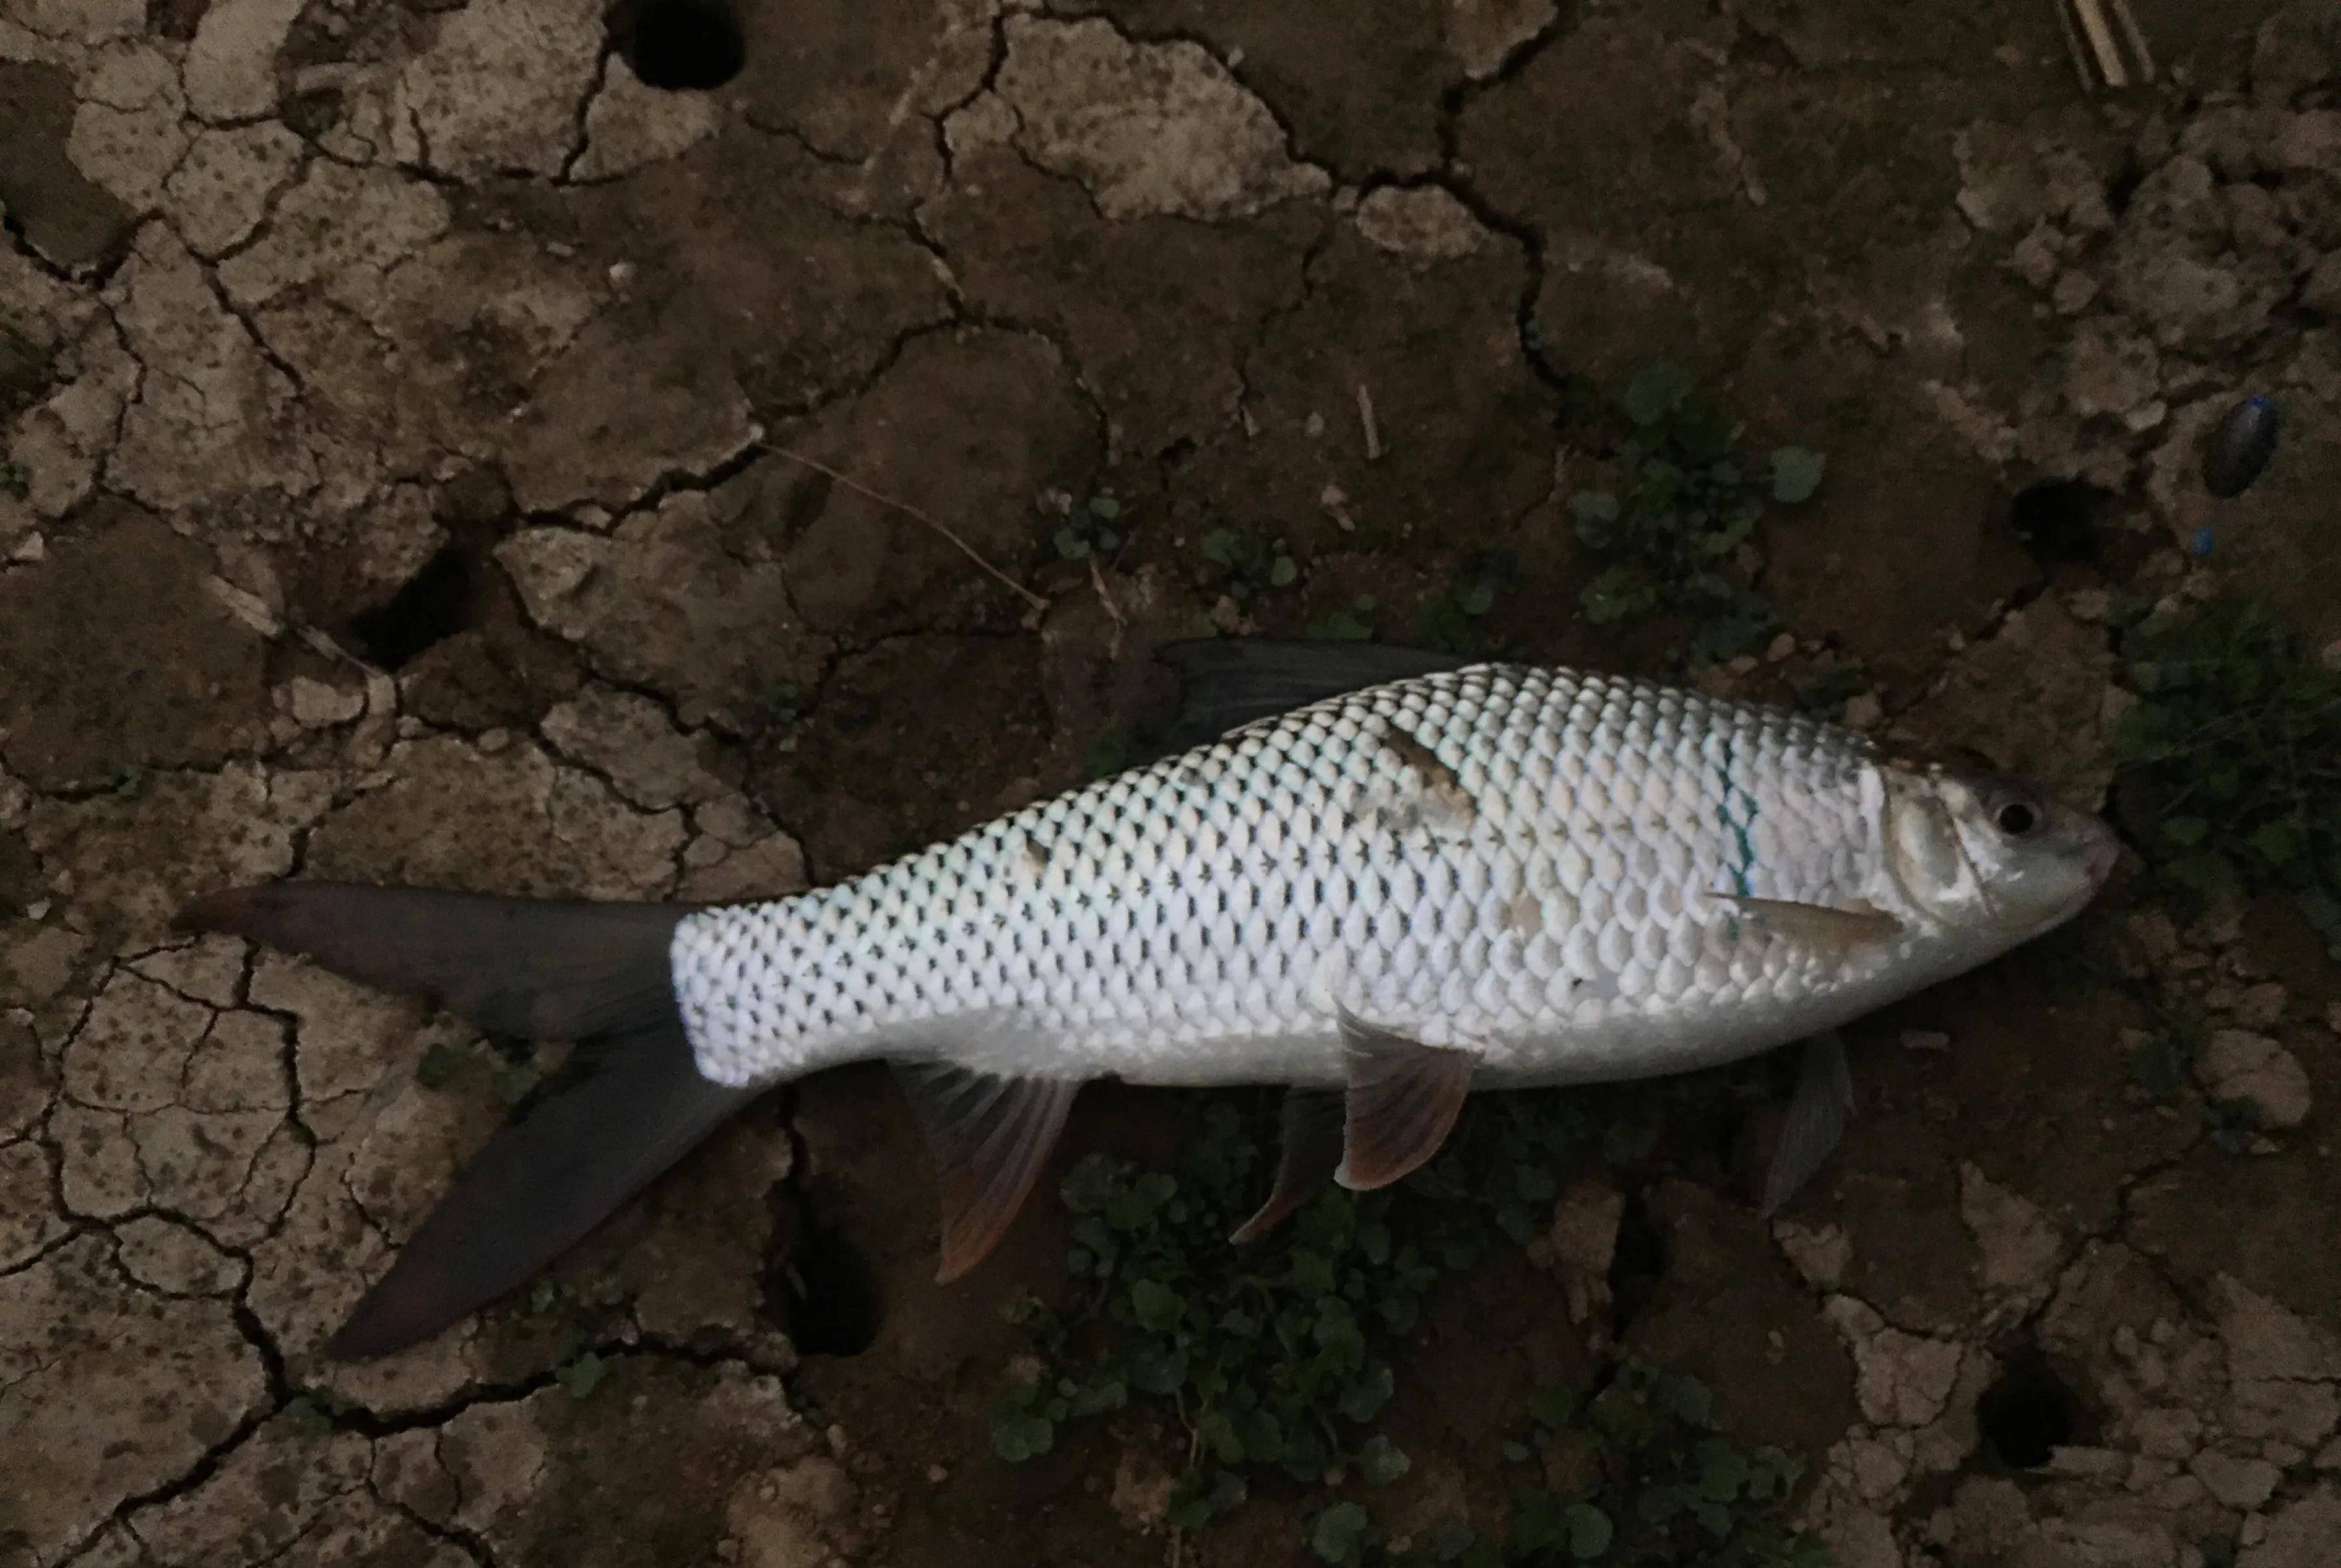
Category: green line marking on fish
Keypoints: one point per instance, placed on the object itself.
(1738, 828)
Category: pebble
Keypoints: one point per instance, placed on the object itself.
(2240, 448)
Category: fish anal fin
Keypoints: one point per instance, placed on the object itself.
(1401, 1102)
(1310, 1152)
(1841, 933)
(991, 1137)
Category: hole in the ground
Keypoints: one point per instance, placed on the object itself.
(435, 603)
(2058, 519)
(681, 46)
(824, 1289)
(2029, 1413)
(1636, 1264)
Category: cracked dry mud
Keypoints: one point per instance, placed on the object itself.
(398, 403)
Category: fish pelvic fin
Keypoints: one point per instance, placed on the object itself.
(991, 1137)
(1310, 1153)
(1401, 1102)
(627, 1105)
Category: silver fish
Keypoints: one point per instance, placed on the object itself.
(1382, 878)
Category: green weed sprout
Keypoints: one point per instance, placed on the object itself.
(1685, 500)
(2233, 753)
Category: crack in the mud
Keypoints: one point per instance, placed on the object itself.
(989, 83)
(470, 1542)
(579, 138)
(265, 224)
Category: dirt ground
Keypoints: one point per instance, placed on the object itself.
(424, 440)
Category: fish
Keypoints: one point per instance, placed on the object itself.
(1383, 878)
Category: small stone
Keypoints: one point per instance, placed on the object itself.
(1820, 1255)
(1900, 1379)
(316, 705)
(1863, 710)
(2300, 1535)
(1423, 224)
(2261, 1007)
(2238, 1065)
(2091, 1463)
(1584, 1240)
(2167, 1432)
(2021, 1248)
(2236, 1483)
(2073, 294)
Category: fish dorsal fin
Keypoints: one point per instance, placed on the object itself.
(1402, 1101)
(991, 1137)
(1841, 933)
(1817, 1120)
(1310, 1152)
(1226, 683)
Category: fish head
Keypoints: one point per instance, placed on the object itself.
(1994, 858)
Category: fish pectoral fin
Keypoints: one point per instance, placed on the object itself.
(1310, 1153)
(1817, 1120)
(991, 1137)
(1842, 932)
(1401, 1102)
(1227, 682)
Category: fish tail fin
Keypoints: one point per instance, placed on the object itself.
(627, 1105)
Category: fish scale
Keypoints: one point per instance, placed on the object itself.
(1528, 862)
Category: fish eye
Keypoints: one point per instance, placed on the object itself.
(2016, 818)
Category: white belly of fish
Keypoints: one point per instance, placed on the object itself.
(1535, 865)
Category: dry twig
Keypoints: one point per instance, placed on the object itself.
(1037, 604)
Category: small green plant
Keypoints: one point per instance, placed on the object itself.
(508, 1067)
(1664, 1489)
(15, 480)
(1347, 624)
(581, 1376)
(1825, 692)
(1272, 1358)
(1093, 528)
(2235, 1124)
(2233, 753)
(2158, 1065)
(1453, 619)
(1106, 755)
(315, 1412)
(1248, 564)
(1685, 499)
